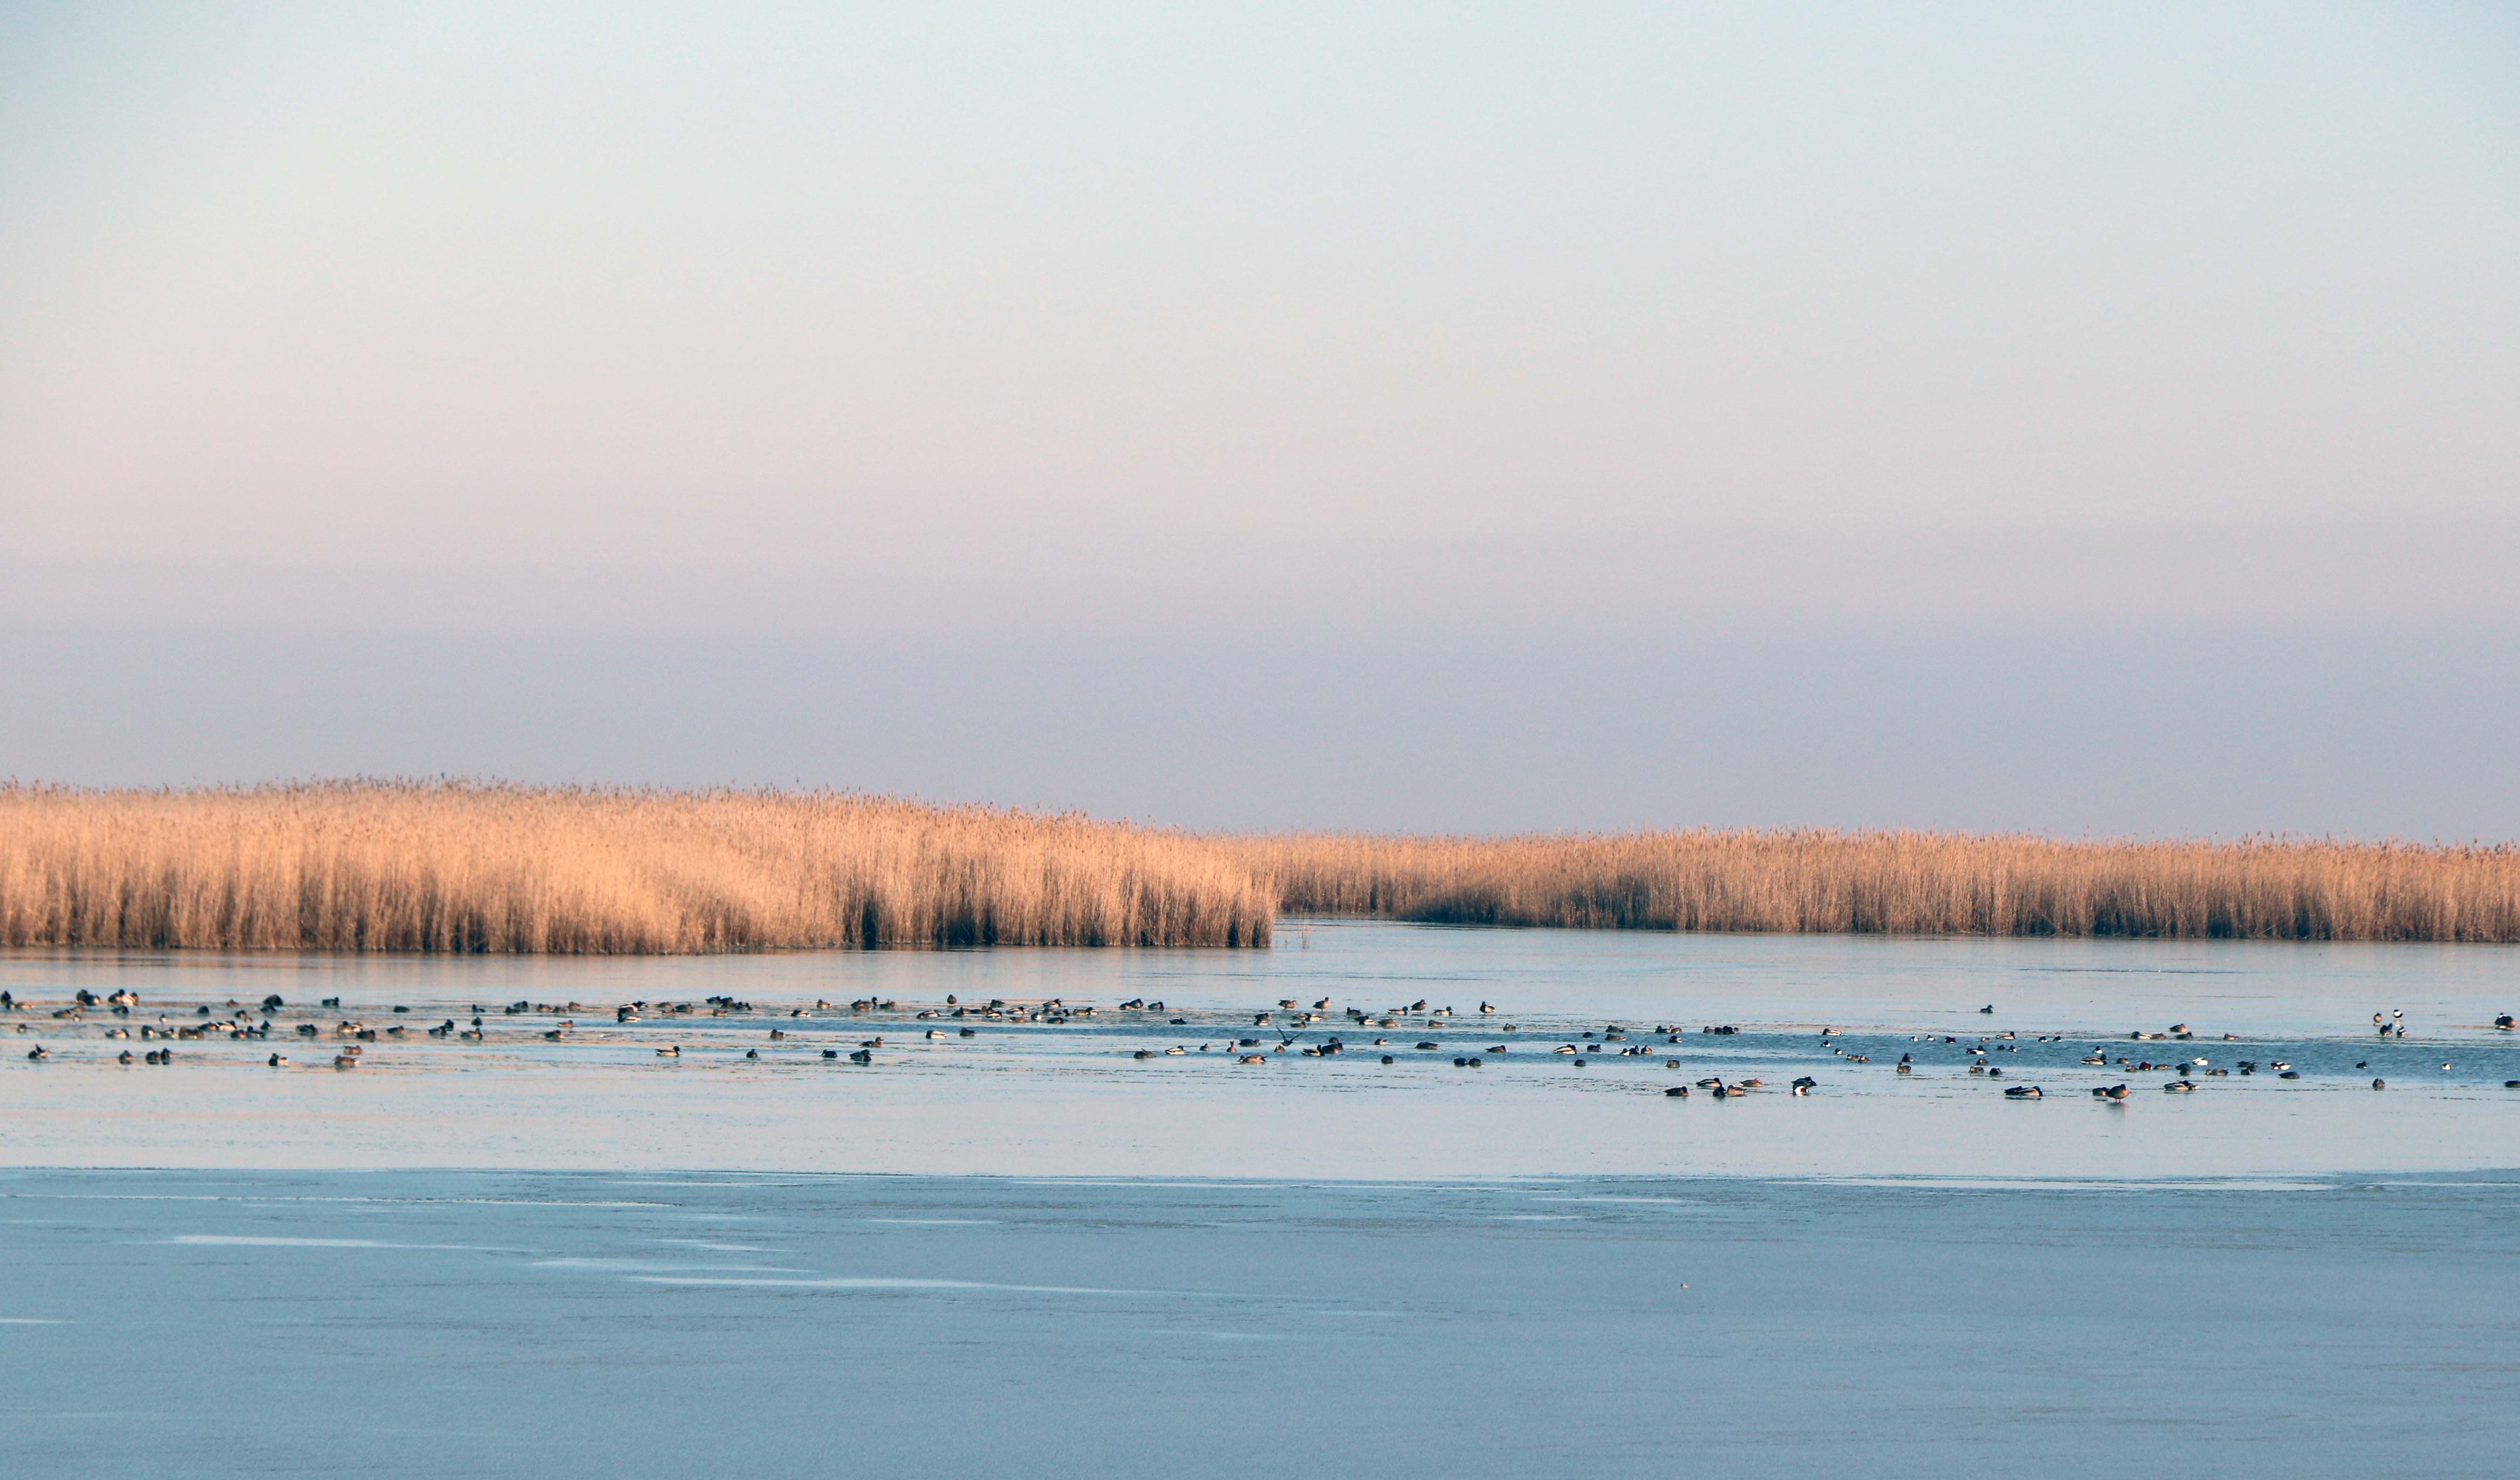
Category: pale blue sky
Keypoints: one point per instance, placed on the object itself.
(1337, 327)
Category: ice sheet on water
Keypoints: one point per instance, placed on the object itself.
(865, 1283)
(1229, 1328)
(622, 1265)
(267, 1241)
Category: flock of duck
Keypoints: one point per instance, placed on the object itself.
(1288, 1024)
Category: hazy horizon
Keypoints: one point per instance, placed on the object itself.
(1384, 417)
(2062, 729)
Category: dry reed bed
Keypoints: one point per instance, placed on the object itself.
(393, 867)
(1908, 883)
(462, 866)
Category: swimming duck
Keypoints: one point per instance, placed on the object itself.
(674, 1052)
(2023, 1092)
(1681, 1091)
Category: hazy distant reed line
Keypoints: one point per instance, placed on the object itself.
(1907, 883)
(462, 867)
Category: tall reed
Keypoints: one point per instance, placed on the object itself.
(1907, 883)
(462, 866)
(385, 866)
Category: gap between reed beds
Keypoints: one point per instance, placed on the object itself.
(464, 867)
(1922, 884)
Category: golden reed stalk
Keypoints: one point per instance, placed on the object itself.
(461, 867)
(383, 866)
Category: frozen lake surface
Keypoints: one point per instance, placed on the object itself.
(496, 1324)
(1018, 1247)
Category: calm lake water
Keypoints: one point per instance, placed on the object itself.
(1022, 1099)
(1030, 1251)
